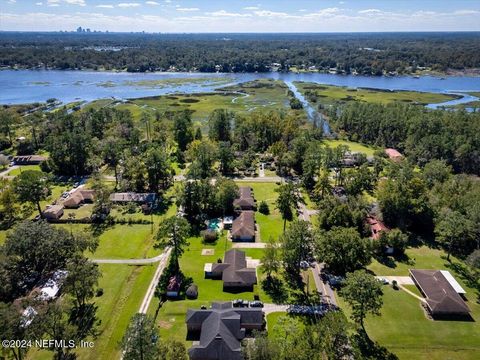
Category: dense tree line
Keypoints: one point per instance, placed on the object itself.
(365, 53)
(423, 135)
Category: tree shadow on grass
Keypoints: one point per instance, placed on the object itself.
(275, 288)
(369, 349)
(469, 277)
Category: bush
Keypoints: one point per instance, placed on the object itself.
(263, 208)
(395, 284)
(99, 292)
(209, 235)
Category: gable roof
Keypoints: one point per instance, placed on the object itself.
(222, 328)
(393, 153)
(441, 297)
(235, 271)
(245, 199)
(244, 225)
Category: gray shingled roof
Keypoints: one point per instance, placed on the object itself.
(221, 330)
(244, 225)
(441, 297)
(245, 199)
(237, 274)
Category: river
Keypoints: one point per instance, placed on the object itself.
(27, 86)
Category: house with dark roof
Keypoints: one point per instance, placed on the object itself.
(243, 227)
(245, 201)
(441, 291)
(140, 198)
(220, 329)
(233, 271)
(28, 159)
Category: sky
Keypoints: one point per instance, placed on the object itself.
(187, 16)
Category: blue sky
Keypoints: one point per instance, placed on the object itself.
(241, 16)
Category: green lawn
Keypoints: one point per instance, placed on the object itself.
(418, 258)
(125, 242)
(124, 288)
(354, 146)
(270, 225)
(403, 327)
(17, 171)
(329, 94)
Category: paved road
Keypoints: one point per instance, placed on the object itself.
(130, 261)
(153, 284)
(246, 245)
(4, 174)
(401, 280)
(271, 308)
(324, 287)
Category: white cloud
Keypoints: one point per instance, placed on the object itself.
(11, 1)
(105, 6)
(187, 9)
(251, 8)
(128, 5)
(223, 13)
(39, 3)
(54, 3)
(466, 12)
(323, 20)
(152, 3)
(272, 14)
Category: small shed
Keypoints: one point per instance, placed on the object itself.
(192, 292)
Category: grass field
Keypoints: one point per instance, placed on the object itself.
(125, 242)
(354, 146)
(418, 258)
(17, 171)
(124, 288)
(403, 327)
(260, 94)
(329, 94)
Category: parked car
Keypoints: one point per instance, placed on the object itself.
(383, 280)
(240, 303)
(256, 304)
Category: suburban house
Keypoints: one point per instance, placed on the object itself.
(233, 271)
(243, 227)
(393, 154)
(245, 201)
(53, 212)
(220, 330)
(443, 294)
(78, 197)
(28, 159)
(140, 198)
(377, 227)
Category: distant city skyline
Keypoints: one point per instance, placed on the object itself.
(240, 16)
